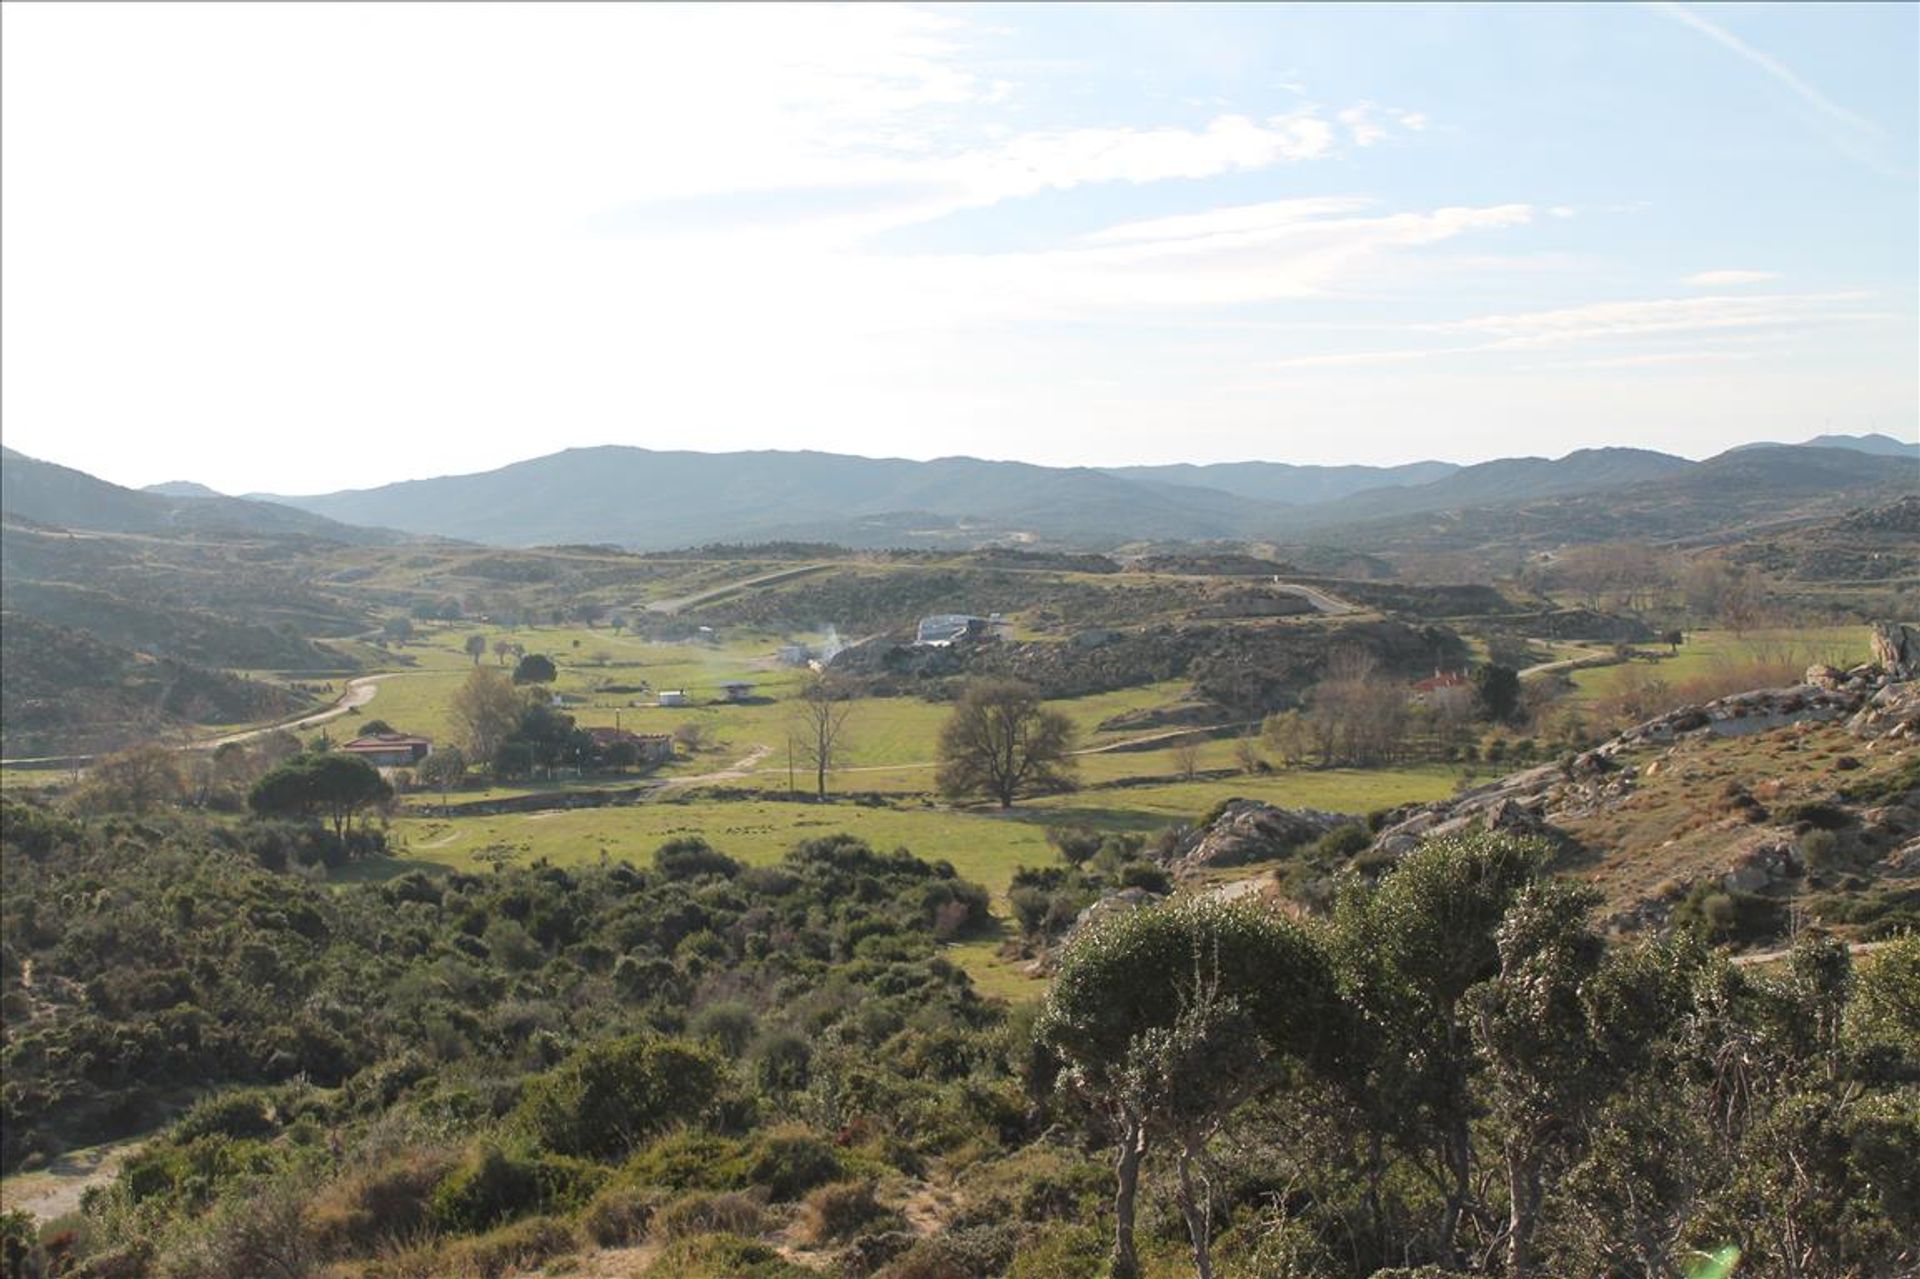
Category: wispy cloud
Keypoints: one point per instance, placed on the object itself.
(1717, 324)
(1728, 279)
(1854, 134)
(1659, 316)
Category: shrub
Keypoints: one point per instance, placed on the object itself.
(614, 1093)
(619, 1216)
(692, 857)
(1146, 875)
(782, 1062)
(1817, 814)
(791, 1161)
(494, 1184)
(247, 1113)
(837, 1212)
(729, 1212)
(391, 1200)
(723, 1257)
(688, 1160)
(1343, 841)
(511, 1249)
(731, 1026)
(1820, 849)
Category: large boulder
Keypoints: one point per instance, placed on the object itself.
(1892, 714)
(1896, 647)
(1249, 831)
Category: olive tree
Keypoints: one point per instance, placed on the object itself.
(1168, 1018)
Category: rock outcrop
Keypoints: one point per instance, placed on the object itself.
(1249, 831)
(1896, 649)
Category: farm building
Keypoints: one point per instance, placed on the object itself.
(673, 697)
(942, 630)
(390, 750)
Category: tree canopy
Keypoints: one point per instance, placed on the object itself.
(1002, 742)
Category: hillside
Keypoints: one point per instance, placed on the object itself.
(643, 499)
(68, 693)
(1506, 482)
(1288, 484)
(48, 494)
(653, 500)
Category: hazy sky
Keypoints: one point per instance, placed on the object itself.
(304, 247)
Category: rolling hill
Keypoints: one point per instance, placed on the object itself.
(656, 500)
(49, 494)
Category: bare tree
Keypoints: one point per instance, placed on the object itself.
(820, 721)
(1246, 752)
(1001, 741)
(1186, 757)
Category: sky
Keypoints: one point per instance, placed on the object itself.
(299, 248)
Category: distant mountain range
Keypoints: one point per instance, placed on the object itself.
(1881, 445)
(648, 500)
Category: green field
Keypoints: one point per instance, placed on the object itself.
(1708, 653)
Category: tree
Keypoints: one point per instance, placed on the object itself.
(1533, 1027)
(1673, 640)
(334, 787)
(535, 668)
(398, 629)
(501, 648)
(1497, 688)
(1002, 742)
(1246, 752)
(444, 769)
(1186, 757)
(485, 707)
(820, 721)
(1168, 1018)
(1288, 735)
(134, 781)
(1409, 951)
(476, 647)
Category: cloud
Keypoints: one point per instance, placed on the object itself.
(1368, 123)
(1656, 317)
(1854, 134)
(1726, 279)
(1224, 257)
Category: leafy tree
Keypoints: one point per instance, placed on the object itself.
(535, 668)
(1002, 742)
(397, 628)
(331, 786)
(820, 721)
(444, 769)
(1168, 1018)
(1536, 1030)
(135, 780)
(1497, 690)
(1409, 951)
(476, 647)
(485, 707)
